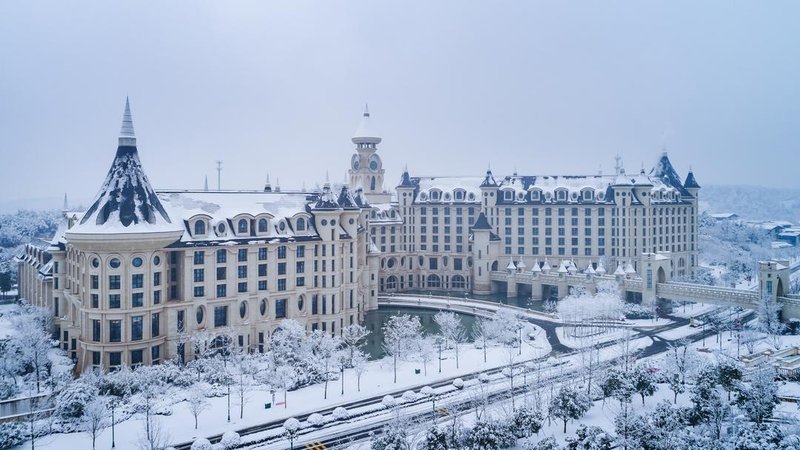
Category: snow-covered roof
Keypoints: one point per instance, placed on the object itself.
(365, 134)
(447, 189)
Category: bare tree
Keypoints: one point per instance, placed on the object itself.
(284, 377)
(452, 330)
(426, 352)
(197, 403)
(244, 373)
(359, 365)
(484, 331)
(95, 418)
(154, 436)
(401, 335)
(324, 347)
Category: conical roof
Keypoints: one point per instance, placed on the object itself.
(126, 200)
(365, 134)
(690, 182)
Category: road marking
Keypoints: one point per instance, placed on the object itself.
(315, 446)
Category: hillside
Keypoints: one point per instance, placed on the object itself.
(752, 202)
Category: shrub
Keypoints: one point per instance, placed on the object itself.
(458, 383)
(315, 419)
(8, 388)
(427, 390)
(230, 439)
(12, 433)
(71, 401)
(389, 401)
(340, 413)
(483, 378)
(409, 396)
(201, 444)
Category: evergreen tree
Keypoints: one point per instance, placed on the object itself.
(569, 404)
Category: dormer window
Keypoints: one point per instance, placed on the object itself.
(561, 196)
(301, 224)
(508, 195)
(434, 196)
(262, 225)
(242, 226)
(459, 195)
(535, 196)
(587, 195)
(199, 228)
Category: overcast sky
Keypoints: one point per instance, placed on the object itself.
(279, 87)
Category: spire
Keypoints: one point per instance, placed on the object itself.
(366, 109)
(127, 138)
(277, 184)
(66, 203)
(267, 185)
(205, 184)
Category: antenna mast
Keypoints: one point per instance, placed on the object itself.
(219, 175)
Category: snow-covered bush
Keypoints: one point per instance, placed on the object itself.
(427, 390)
(458, 383)
(526, 421)
(340, 413)
(409, 396)
(201, 444)
(71, 401)
(230, 439)
(548, 443)
(12, 433)
(483, 378)
(389, 401)
(315, 419)
(435, 439)
(8, 388)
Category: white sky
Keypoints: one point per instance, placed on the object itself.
(544, 87)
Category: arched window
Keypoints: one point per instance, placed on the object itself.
(200, 227)
(458, 282)
(262, 225)
(434, 281)
(242, 225)
(301, 224)
(372, 184)
(391, 282)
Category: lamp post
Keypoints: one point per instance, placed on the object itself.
(113, 406)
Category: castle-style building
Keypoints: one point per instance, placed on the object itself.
(131, 279)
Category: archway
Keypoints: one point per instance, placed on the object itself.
(779, 292)
(494, 266)
(661, 276)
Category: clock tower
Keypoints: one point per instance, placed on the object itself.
(366, 168)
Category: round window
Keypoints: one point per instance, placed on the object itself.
(156, 260)
(242, 309)
(352, 221)
(300, 304)
(95, 262)
(137, 262)
(262, 308)
(390, 263)
(114, 263)
(324, 222)
(199, 314)
(333, 222)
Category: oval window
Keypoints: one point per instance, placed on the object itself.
(220, 228)
(114, 263)
(421, 261)
(352, 221)
(242, 309)
(324, 222)
(282, 226)
(199, 314)
(263, 306)
(156, 260)
(95, 262)
(390, 263)
(300, 304)
(137, 262)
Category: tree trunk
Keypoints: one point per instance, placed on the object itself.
(456, 345)
(565, 425)
(285, 391)
(395, 367)
(195, 422)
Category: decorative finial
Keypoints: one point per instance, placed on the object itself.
(205, 185)
(66, 203)
(366, 109)
(126, 134)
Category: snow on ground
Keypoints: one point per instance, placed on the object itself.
(692, 310)
(5, 324)
(567, 336)
(377, 380)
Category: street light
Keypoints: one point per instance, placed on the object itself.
(113, 404)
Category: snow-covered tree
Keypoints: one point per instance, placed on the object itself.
(394, 436)
(590, 438)
(526, 421)
(230, 439)
(284, 378)
(154, 436)
(758, 397)
(730, 373)
(290, 346)
(31, 341)
(548, 443)
(244, 370)
(484, 332)
(402, 334)
(72, 401)
(435, 439)
(324, 348)
(769, 323)
(426, 352)
(291, 427)
(569, 404)
(353, 337)
(451, 328)
(197, 402)
(360, 366)
(489, 435)
(708, 406)
(95, 418)
(618, 384)
(644, 381)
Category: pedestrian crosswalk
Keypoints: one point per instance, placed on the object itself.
(315, 446)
